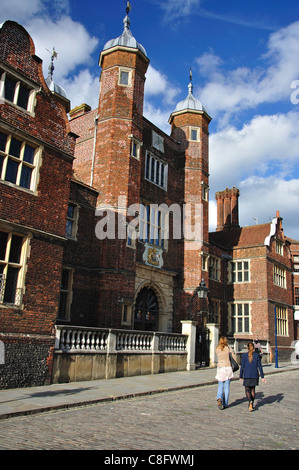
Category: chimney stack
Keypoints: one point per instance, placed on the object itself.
(227, 208)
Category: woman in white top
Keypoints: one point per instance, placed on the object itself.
(224, 372)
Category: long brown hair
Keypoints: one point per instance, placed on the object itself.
(222, 343)
(250, 347)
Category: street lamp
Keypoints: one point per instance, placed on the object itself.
(202, 290)
(202, 293)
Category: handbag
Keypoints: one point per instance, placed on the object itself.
(233, 363)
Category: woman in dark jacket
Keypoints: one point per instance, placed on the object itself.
(250, 368)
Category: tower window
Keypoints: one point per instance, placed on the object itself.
(135, 147)
(194, 134)
(124, 77)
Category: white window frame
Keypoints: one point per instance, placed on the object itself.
(214, 268)
(20, 266)
(204, 261)
(241, 272)
(240, 315)
(127, 71)
(72, 222)
(279, 247)
(279, 276)
(136, 145)
(197, 130)
(156, 171)
(205, 192)
(153, 225)
(7, 158)
(282, 324)
(4, 73)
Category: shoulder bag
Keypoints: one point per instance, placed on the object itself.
(233, 363)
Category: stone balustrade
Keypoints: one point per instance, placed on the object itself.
(83, 353)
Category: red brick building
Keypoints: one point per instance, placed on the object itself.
(113, 231)
(253, 282)
(36, 156)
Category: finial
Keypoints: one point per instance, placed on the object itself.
(54, 55)
(190, 86)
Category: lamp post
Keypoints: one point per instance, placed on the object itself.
(276, 349)
(202, 293)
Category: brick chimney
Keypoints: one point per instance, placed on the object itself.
(79, 111)
(227, 208)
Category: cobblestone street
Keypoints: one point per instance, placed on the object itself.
(186, 420)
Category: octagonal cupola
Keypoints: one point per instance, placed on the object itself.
(189, 104)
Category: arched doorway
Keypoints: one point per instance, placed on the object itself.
(146, 311)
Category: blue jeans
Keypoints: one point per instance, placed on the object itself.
(223, 392)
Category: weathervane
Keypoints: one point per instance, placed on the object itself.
(54, 55)
(128, 7)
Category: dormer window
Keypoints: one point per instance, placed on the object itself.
(16, 91)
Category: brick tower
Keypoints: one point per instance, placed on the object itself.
(116, 172)
(190, 126)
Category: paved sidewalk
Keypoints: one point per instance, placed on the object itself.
(25, 401)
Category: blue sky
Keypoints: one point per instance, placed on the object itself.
(245, 64)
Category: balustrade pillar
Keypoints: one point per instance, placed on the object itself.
(189, 329)
(214, 338)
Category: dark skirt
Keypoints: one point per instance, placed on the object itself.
(250, 382)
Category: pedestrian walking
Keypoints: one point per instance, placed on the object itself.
(251, 367)
(224, 372)
(258, 347)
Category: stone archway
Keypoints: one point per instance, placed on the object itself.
(146, 311)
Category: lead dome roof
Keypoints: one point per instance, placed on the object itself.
(190, 103)
(126, 39)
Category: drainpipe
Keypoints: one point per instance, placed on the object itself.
(223, 328)
(94, 148)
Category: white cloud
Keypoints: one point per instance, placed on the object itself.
(261, 159)
(70, 38)
(157, 84)
(261, 197)
(17, 11)
(157, 115)
(82, 88)
(265, 144)
(234, 90)
(177, 8)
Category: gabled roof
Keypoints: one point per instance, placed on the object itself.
(254, 235)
